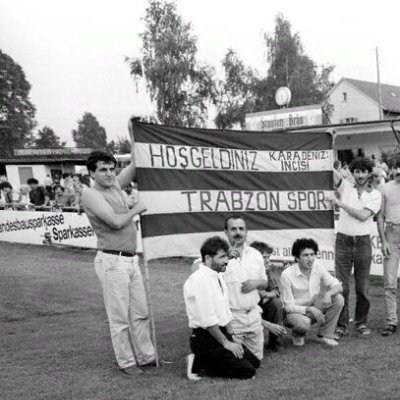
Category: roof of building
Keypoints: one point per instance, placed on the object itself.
(390, 94)
(45, 159)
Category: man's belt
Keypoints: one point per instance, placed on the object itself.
(119, 253)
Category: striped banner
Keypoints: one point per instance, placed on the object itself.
(191, 180)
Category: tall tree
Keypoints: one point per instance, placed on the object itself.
(288, 66)
(90, 133)
(17, 113)
(235, 92)
(121, 146)
(47, 139)
(291, 66)
(179, 86)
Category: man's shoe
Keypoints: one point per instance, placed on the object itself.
(189, 365)
(298, 340)
(274, 346)
(153, 363)
(363, 330)
(339, 334)
(389, 330)
(132, 371)
(326, 340)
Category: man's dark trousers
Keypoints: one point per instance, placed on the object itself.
(355, 250)
(212, 358)
(272, 311)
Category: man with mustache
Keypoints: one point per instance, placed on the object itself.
(216, 349)
(358, 203)
(389, 231)
(244, 276)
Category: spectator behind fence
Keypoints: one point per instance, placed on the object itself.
(80, 184)
(23, 198)
(49, 186)
(63, 199)
(8, 197)
(67, 183)
(38, 195)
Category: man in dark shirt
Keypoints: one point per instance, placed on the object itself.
(272, 315)
(38, 194)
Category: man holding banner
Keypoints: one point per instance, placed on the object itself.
(358, 204)
(111, 216)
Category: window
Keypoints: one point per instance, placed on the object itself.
(344, 94)
(350, 119)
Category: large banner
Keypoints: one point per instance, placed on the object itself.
(50, 228)
(192, 179)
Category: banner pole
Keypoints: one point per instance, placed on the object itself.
(149, 305)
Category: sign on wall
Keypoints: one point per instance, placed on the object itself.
(49, 228)
(287, 118)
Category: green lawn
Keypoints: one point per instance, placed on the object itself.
(55, 342)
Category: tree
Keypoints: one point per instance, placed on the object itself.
(245, 91)
(17, 113)
(290, 66)
(180, 87)
(90, 133)
(121, 146)
(235, 93)
(47, 139)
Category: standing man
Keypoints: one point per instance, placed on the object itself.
(310, 295)
(244, 276)
(111, 216)
(216, 349)
(390, 238)
(358, 204)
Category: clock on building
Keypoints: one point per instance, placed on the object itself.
(283, 96)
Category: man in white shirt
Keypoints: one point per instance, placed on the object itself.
(244, 276)
(216, 349)
(310, 295)
(358, 203)
(389, 232)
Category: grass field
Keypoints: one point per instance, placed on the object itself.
(55, 342)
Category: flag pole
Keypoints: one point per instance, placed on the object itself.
(149, 304)
(145, 263)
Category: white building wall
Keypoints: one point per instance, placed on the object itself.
(39, 172)
(357, 105)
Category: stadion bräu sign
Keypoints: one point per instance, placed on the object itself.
(286, 118)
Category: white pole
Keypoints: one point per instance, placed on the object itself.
(149, 305)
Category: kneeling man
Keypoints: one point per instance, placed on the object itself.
(310, 294)
(216, 350)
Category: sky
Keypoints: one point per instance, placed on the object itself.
(73, 52)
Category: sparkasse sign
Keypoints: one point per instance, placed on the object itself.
(286, 118)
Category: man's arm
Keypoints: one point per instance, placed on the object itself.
(288, 299)
(380, 220)
(361, 215)
(95, 202)
(128, 174)
(235, 348)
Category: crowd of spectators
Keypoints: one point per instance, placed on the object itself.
(63, 194)
(58, 194)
